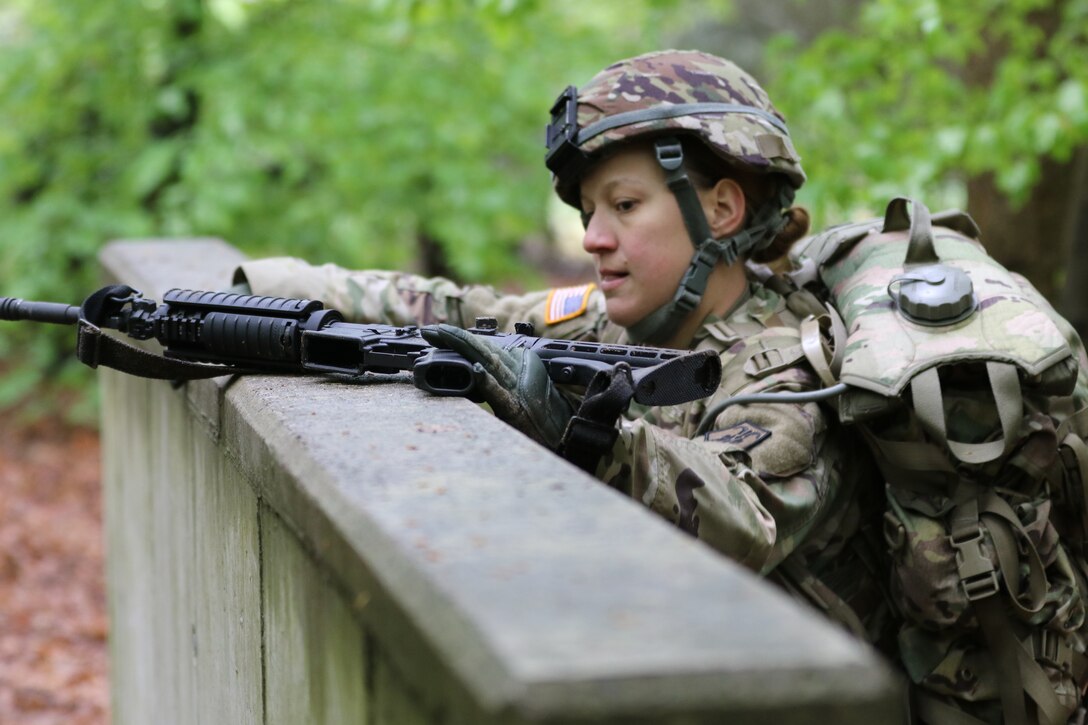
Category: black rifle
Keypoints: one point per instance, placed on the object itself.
(207, 334)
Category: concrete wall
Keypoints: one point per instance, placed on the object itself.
(313, 550)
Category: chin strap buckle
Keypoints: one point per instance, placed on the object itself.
(670, 154)
(693, 284)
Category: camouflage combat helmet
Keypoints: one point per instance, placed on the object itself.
(665, 96)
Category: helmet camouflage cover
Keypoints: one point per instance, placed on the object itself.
(670, 91)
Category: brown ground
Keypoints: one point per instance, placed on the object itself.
(53, 655)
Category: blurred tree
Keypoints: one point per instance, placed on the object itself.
(983, 102)
(372, 133)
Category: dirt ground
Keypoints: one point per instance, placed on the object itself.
(53, 624)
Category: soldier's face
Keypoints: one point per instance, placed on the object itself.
(635, 233)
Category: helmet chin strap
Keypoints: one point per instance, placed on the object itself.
(661, 324)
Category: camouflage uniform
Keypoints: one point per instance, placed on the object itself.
(767, 481)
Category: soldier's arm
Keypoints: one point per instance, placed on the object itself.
(765, 479)
(399, 298)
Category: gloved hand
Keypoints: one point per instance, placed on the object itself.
(513, 382)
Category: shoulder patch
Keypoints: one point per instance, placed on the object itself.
(566, 303)
(744, 435)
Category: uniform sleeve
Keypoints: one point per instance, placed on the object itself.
(761, 483)
(398, 298)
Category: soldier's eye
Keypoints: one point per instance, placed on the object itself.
(586, 216)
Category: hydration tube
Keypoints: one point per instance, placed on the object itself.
(813, 396)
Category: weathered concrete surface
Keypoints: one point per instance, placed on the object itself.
(316, 651)
(182, 564)
(450, 567)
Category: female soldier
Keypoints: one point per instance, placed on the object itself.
(682, 170)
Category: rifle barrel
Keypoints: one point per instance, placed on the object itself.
(58, 313)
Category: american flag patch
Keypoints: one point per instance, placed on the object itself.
(566, 303)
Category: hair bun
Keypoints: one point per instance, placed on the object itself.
(797, 226)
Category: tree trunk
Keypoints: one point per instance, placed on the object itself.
(433, 260)
(1074, 303)
(1033, 239)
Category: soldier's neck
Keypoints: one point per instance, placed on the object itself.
(726, 288)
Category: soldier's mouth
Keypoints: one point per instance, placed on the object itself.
(611, 279)
(609, 282)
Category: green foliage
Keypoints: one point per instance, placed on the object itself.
(339, 131)
(917, 95)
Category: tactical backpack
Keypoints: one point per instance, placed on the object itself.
(971, 393)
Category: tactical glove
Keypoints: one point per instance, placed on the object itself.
(513, 382)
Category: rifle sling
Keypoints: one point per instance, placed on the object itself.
(591, 432)
(585, 441)
(94, 349)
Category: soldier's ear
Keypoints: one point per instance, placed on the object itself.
(725, 207)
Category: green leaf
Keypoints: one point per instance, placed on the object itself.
(1072, 101)
(151, 168)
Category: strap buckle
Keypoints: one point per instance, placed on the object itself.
(670, 154)
(695, 278)
(1052, 650)
(976, 570)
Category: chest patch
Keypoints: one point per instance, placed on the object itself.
(566, 303)
(744, 435)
